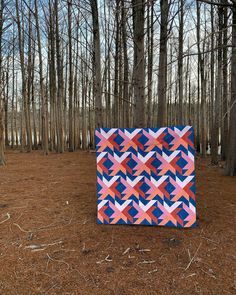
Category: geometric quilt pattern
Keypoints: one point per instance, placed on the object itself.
(146, 176)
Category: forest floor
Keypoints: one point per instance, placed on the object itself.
(50, 242)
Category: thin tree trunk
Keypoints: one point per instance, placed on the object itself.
(225, 117)
(216, 123)
(97, 88)
(150, 62)
(60, 91)
(203, 86)
(71, 78)
(42, 87)
(138, 74)
(180, 62)
(162, 73)
(230, 168)
(24, 90)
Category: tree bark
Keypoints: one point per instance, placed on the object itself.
(216, 123)
(97, 88)
(225, 117)
(25, 104)
(180, 62)
(2, 156)
(71, 79)
(150, 36)
(138, 74)
(162, 72)
(230, 168)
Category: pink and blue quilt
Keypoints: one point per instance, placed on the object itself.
(146, 176)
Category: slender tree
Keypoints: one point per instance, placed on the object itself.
(138, 66)
(162, 72)
(230, 168)
(96, 65)
(2, 157)
(216, 115)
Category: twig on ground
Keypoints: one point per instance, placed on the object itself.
(189, 276)
(189, 255)
(54, 224)
(209, 274)
(75, 269)
(21, 229)
(211, 249)
(147, 262)
(43, 227)
(126, 251)
(53, 286)
(8, 217)
(154, 270)
(59, 261)
(192, 259)
(112, 240)
(205, 238)
(19, 217)
(108, 259)
(144, 250)
(41, 247)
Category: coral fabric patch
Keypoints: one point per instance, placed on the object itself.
(146, 176)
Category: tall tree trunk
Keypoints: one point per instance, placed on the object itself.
(230, 168)
(42, 87)
(225, 117)
(203, 86)
(23, 78)
(2, 157)
(52, 79)
(71, 78)
(6, 102)
(180, 62)
(116, 77)
(60, 91)
(216, 123)
(126, 106)
(162, 72)
(138, 74)
(76, 94)
(13, 97)
(212, 73)
(97, 87)
(150, 36)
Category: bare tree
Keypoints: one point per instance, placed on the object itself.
(97, 65)
(162, 72)
(231, 150)
(180, 62)
(150, 36)
(25, 103)
(216, 115)
(138, 74)
(2, 157)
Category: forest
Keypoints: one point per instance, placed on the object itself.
(158, 219)
(69, 66)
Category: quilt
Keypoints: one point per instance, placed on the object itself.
(146, 176)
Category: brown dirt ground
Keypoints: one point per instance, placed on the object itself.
(52, 201)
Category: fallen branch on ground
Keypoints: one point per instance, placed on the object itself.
(41, 247)
(147, 262)
(55, 260)
(192, 259)
(8, 217)
(126, 251)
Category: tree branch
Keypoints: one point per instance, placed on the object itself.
(217, 3)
